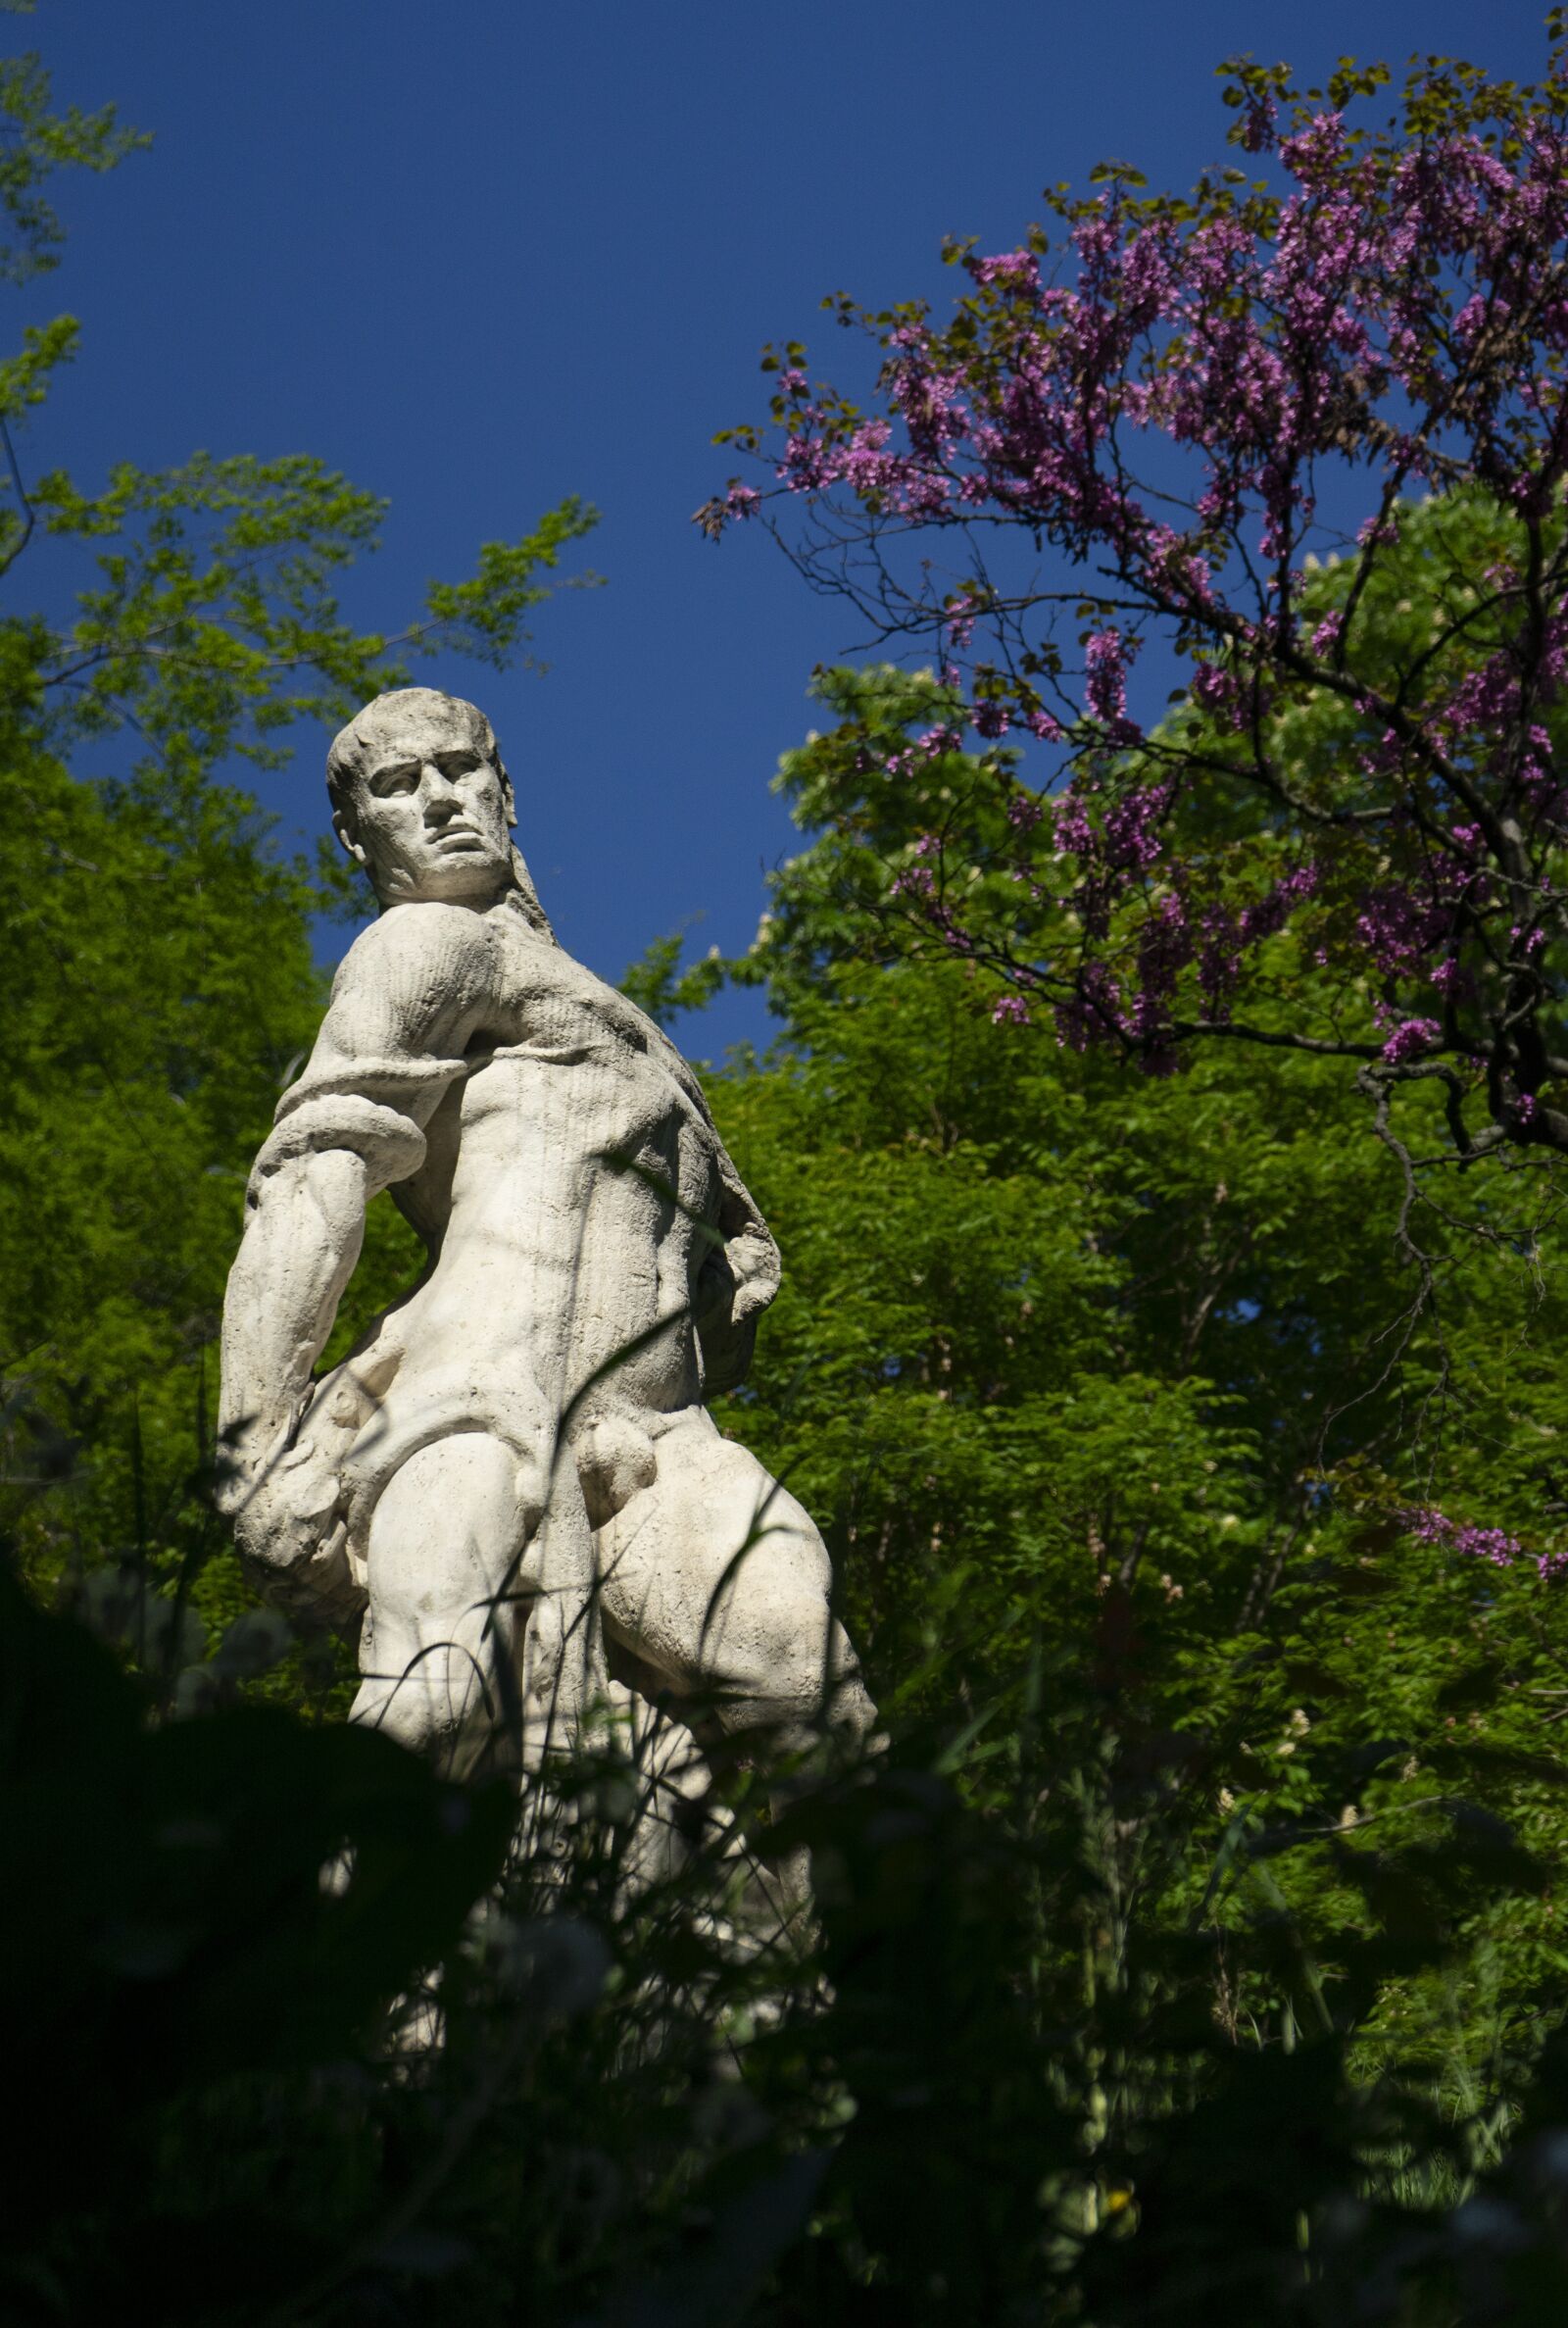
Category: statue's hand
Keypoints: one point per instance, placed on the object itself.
(286, 1507)
(244, 1454)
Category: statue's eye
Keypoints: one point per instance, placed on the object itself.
(458, 763)
(389, 780)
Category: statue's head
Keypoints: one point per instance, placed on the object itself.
(420, 799)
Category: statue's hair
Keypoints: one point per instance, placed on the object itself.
(345, 752)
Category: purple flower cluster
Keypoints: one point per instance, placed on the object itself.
(1107, 656)
(1494, 1545)
(1397, 309)
(1413, 1038)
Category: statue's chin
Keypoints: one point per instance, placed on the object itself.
(458, 881)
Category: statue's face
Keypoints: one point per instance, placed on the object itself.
(430, 817)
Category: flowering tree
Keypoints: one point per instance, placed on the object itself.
(1302, 439)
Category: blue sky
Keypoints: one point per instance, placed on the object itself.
(483, 254)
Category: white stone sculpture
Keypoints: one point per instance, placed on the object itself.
(512, 1479)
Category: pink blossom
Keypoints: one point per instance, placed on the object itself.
(1139, 420)
(1413, 1038)
(1494, 1545)
(1014, 271)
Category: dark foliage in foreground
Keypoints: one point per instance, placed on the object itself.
(1056, 2060)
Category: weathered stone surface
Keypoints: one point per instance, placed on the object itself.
(513, 1483)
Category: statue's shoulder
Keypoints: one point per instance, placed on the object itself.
(419, 948)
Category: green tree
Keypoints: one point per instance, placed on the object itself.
(1063, 1346)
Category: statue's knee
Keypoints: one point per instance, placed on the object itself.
(790, 1665)
(849, 1712)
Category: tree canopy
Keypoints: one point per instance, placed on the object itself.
(1138, 435)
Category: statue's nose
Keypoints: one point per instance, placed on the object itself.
(440, 791)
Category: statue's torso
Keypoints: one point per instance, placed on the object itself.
(568, 1175)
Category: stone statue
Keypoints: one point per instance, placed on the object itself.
(512, 1479)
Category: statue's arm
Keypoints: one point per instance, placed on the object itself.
(740, 1272)
(736, 1283)
(403, 1005)
(301, 1238)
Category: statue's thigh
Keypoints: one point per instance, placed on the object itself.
(446, 1538)
(715, 1576)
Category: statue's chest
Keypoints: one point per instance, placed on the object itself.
(563, 1052)
(543, 1001)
